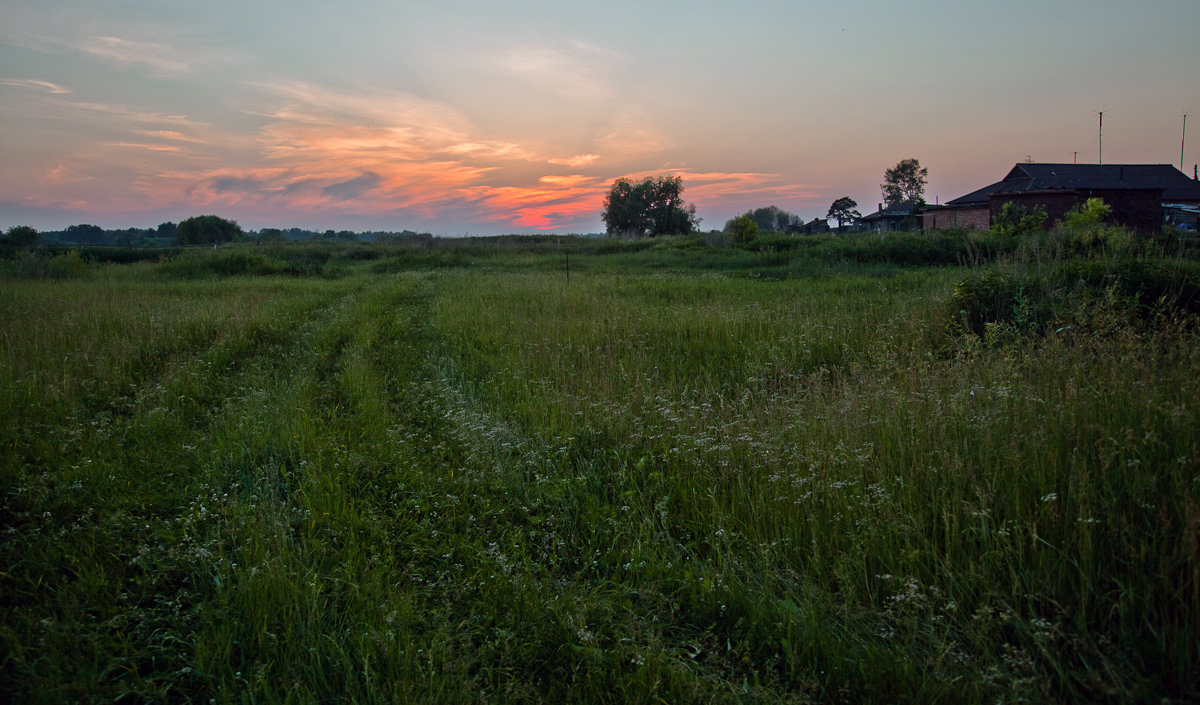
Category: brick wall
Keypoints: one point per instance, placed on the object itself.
(1135, 208)
(940, 219)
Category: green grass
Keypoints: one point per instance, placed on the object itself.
(691, 474)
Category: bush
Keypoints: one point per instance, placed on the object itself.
(742, 228)
(225, 264)
(1014, 221)
(34, 265)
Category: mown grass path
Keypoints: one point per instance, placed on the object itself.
(482, 486)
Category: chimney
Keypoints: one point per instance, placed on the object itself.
(1195, 175)
(881, 207)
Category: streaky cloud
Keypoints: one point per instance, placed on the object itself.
(35, 84)
(159, 59)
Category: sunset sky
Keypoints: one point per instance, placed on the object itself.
(461, 116)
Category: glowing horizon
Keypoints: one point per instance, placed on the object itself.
(480, 119)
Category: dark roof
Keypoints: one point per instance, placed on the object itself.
(1175, 184)
(896, 210)
(976, 198)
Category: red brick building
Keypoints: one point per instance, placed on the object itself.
(1135, 192)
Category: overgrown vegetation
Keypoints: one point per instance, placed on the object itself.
(788, 469)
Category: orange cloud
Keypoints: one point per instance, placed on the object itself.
(576, 161)
(142, 145)
(170, 135)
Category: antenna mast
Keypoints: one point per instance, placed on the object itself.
(1101, 136)
(1182, 141)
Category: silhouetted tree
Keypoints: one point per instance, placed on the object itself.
(206, 230)
(652, 206)
(905, 183)
(20, 236)
(843, 211)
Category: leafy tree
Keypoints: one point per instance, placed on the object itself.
(166, 230)
(652, 206)
(844, 210)
(743, 228)
(206, 230)
(905, 183)
(20, 236)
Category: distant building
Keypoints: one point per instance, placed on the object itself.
(1180, 215)
(1136, 193)
(899, 216)
(815, 227)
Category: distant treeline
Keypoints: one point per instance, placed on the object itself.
(166, 235)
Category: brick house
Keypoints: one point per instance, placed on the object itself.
(1135, 192)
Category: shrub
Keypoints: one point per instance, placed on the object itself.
(742, 228)
(224, 264)
(1014, 221)
(1087, 216)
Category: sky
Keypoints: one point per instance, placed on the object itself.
(467, 117)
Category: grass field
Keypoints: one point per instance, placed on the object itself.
(689, 474)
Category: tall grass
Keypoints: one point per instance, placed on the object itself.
(645, 486)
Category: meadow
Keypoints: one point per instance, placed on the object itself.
(907, 468)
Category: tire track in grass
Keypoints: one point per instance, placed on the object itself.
(96, 515)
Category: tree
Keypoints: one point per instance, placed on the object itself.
(206, 230)
(905, 183)
(843, 211)
(20, 236)
(652, 206)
